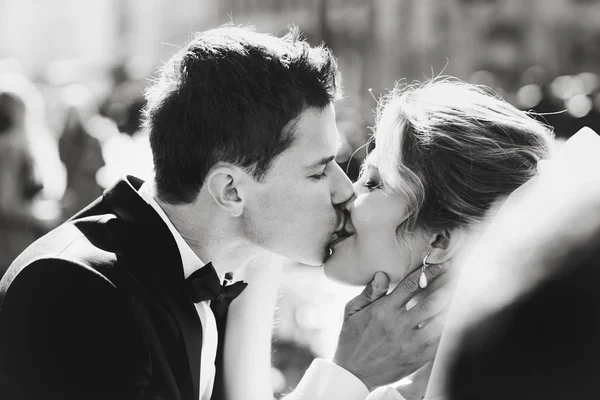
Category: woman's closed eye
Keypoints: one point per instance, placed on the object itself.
(371, 184)
(370, 180)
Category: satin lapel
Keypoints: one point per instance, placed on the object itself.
(160, 266)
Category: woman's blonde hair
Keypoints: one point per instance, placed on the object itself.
(452, 149)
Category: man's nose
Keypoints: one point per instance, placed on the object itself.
(343, 192)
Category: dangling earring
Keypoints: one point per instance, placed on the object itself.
(423, 278)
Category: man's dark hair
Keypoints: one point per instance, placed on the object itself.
(232, 95)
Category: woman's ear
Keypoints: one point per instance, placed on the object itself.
(224, 184)
(444, 244)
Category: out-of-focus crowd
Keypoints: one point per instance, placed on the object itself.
(60, 146)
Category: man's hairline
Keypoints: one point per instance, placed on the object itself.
(288, 129)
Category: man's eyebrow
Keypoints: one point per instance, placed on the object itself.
(323, 161)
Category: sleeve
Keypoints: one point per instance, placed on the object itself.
(325, 380)
(66, 332)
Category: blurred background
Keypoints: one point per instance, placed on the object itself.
(72, 74)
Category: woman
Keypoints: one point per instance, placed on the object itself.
(445, 153)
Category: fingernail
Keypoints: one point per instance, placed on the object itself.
(379, 280)
(374, 283)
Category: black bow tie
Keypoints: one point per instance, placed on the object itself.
(204, 285)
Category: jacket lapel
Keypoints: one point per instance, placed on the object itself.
(158, 266)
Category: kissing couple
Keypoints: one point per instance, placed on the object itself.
(166, 289)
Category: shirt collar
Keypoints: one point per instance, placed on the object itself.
(191, 262)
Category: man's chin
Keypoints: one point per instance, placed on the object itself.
(313, 260)
(319, 256)
(319, 259)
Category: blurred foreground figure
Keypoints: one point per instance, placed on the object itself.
(31, 175)
(526, 326)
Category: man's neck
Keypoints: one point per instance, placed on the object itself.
(210, 238)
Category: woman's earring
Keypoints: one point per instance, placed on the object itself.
(423, 278)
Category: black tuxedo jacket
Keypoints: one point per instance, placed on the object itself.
(97, 308)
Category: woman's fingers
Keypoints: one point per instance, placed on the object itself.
(431, 288)
(409, 286)
(431, 307)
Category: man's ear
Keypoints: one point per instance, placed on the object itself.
(444, 244)
(223, 183)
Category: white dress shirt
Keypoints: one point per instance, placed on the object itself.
(191, 262)
(323, 380)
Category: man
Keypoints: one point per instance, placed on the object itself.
(123, 301)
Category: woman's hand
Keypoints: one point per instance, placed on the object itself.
(381, 341)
